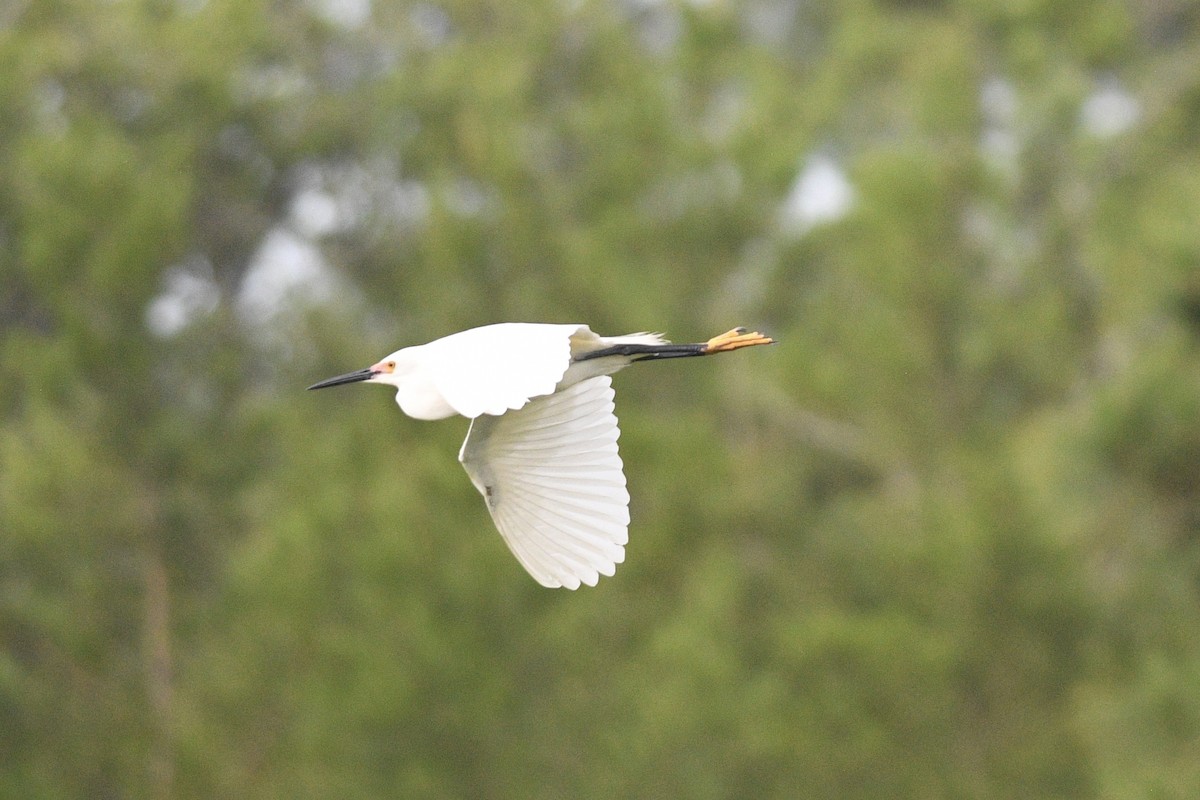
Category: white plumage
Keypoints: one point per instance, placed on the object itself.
(542, 445)
(498, 368)
(552, 479)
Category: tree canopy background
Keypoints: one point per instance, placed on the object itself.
(942, 542)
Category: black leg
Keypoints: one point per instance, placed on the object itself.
(646, 351)
(730, 340)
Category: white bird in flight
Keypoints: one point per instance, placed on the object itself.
(542, 445)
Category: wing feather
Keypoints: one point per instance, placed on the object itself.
(553, 481)
(497, 368)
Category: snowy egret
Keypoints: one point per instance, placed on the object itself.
(542, 444)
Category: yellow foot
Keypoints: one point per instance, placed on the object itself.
(732, 340)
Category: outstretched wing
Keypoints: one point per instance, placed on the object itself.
(496, 368)
(552, 479)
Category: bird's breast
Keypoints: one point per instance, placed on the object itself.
(420, 399)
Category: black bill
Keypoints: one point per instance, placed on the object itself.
(349, 377)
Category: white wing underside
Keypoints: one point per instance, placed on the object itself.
(553, 482)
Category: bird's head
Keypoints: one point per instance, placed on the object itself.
(386, 372)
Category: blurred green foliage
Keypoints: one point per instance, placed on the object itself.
(943, 542)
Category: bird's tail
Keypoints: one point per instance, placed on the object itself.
(636, 338)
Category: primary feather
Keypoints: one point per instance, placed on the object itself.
(553, 481)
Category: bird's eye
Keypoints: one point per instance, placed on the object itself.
(391, 365)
